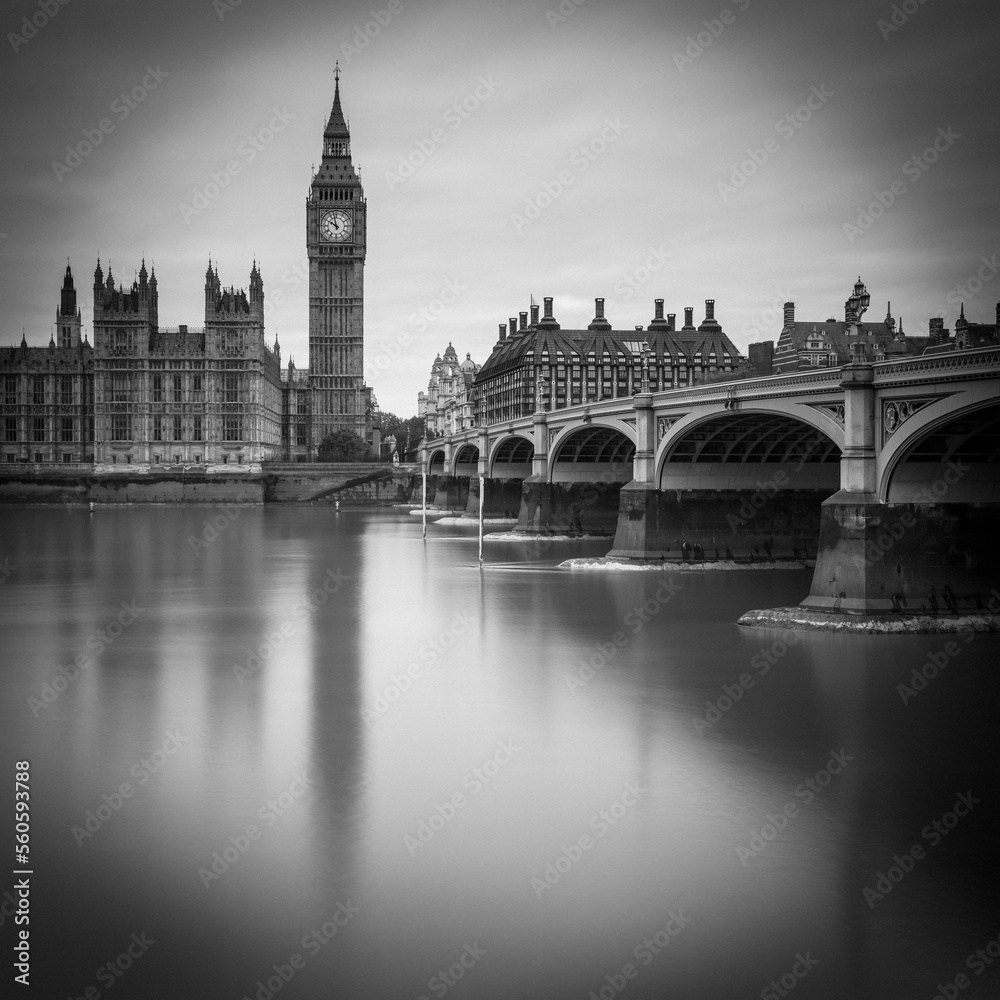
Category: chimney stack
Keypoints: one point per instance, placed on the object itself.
(513, 325)
(789, 313)
(709, 310)
(534, 315)
(598, 308)
(659, 308)
(672, 321)
(503, 332)
(548, 306)
(524, 321)
(688, 317)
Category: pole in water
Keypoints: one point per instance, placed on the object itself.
(482, 490)
(336, 506)
(423, 479)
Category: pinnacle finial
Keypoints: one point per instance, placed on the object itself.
(336, 71)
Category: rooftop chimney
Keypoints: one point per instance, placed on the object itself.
(548, 307)
(534, 315)
(672, 321)
(503, 332)
(688, 317)
(598, 308)
(513, 325)
(658, 303)
(709, 310)
(789, 313)
(524, 321)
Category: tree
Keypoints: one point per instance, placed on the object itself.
(406, 432)
(343, 446)
(743, 370)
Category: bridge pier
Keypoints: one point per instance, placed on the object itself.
(894, 566)
(904, 558)
(567, 508)
(739, 525)
(502, 497)
(451, 492)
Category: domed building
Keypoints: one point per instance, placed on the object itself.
(447, 406)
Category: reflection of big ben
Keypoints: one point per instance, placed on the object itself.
(335, 241)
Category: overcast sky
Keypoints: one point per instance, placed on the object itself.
(584, 149)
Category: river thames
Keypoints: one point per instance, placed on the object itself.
(286, 752)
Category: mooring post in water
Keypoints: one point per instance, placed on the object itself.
(482, 490)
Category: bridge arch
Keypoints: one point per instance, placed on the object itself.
(466, 460)
(743, 448)
(436, 462)
(946, 455)
(591, 453)
(510, 457)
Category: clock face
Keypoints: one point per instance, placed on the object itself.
(336, 226)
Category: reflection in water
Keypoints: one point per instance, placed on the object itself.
(326, 751)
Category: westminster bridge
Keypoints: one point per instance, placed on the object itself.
(885, 473)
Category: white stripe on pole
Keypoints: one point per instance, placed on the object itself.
(482, 491)
(423, 479)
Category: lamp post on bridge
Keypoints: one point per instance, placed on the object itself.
(855, 307)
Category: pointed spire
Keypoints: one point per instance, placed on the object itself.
(336, 126)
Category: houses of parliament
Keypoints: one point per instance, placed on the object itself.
(212, 397)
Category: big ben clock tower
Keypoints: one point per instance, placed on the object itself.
(336, 228)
